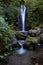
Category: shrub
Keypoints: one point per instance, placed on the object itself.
(6, 35)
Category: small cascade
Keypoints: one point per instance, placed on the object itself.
(21, 50)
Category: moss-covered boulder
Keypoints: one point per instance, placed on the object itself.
(30, 42)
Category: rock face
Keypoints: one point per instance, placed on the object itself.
(34, 32)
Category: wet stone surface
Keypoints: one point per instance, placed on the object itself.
(24, 59)
(27, 58)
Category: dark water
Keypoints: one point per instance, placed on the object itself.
(24, 59)
(21, 50)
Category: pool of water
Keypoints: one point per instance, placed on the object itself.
(21, 50)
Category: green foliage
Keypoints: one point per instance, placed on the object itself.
(31, 40)
(6, 35)
(35, 11)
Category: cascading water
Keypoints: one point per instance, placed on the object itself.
(23, 10)
(21, 50)
(22, 27)
(21, 18)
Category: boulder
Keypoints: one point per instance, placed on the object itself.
(30, 42)
(34, 32)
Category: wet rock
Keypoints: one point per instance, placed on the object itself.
(20, 36)
(34, 32)
(16, 46)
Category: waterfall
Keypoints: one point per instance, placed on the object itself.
(23, 10)
(21, 27)
(21, 18)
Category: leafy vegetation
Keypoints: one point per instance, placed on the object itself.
(34, 11)
(31, 40)
(6, 36)
(9, 12)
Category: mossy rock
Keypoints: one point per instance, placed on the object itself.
(30, 43)
(31, 40)
(20, 36)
